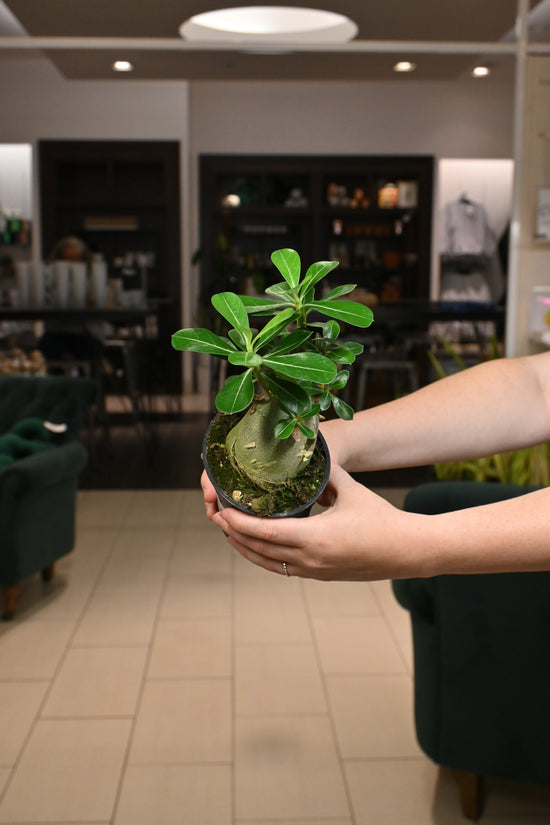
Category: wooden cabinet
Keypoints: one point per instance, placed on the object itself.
(122, 198)
(371, 213)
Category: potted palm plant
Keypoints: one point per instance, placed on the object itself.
(263, 451)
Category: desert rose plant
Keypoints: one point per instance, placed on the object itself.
(290, 367)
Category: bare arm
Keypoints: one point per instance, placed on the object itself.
(499, 405)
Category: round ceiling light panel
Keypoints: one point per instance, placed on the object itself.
(269, 24)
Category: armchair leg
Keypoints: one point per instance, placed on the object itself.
(470, 787)
(10, 601)
(47, 573)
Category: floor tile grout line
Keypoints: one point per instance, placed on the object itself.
(329, 714)
(51, 680)
(125, 765)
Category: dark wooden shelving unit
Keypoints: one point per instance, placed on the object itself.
(121, 197)
(326, 207)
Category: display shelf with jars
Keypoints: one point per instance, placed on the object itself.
(371, 213)
(123, 199)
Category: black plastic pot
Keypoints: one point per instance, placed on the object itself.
(225, 500)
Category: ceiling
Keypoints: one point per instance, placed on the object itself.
(391, 20)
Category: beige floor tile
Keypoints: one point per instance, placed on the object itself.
(97, 682)
(149, 543)
(392, 791)
(170, 794)
(183, 721)
(287, 768)
(192, 512)
(357, 644)
(323, 821)
(514, 798)
(185, 648)
(103, 507)
(4, 777)
(197, 597)
(134, 568)
(270, 609)
(201, 551)
(277, 679)
(69, 772)
(373, 716)
(154, 508)
(340, 598)
(19, 705)
(33, 649)
(123, 615)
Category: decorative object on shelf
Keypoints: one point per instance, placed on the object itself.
(388, 196)
(289, 374)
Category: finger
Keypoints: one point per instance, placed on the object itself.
(271, 565)
(268, 534)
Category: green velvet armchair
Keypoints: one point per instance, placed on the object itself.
(481, 661)
(38, 474)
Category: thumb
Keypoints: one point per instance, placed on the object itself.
(339, 478)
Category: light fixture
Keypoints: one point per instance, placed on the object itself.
(404, 66)
(481, 71)
(269, 24)
(123, 66)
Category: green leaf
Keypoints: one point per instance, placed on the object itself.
(281, 290)
(354, 346)
(285, 428)
(287, 262)
(291, 342)
(236, 394)
(245, 359)
(238, 338)
(260, 306)
(338, 291)
(342, 409)
(316, 273)
(340, 381)
(273, 328)
(231, 307)
(202, 340)
(351, 312)
(325, 400)
(305, 366)
(341, 355)
(290, 395)
(305, 430)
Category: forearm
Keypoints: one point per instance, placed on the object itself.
(507, 536)
(493, 407)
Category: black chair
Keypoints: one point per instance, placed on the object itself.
(481, 660)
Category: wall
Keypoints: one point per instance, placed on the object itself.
(463, 119)
(532, 266)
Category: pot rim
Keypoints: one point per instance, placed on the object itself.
(226, 501)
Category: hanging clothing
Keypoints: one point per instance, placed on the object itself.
(465, 230)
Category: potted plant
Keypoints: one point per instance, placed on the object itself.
(263, 451)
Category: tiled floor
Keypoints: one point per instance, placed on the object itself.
(162, 680)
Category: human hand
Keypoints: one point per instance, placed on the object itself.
(360, 537)
(210, 496)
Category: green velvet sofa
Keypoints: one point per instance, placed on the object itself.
(38, 481)
(481, 660)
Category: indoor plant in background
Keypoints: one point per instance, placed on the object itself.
(263, 450)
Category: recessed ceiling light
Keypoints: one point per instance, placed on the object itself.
(404, 66)
(269, 24)
(481, 71)
(122, 66)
